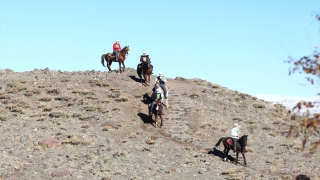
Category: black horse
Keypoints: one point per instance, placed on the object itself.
(240, 147)
(145, 69)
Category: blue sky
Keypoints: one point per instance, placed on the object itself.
(241, 45)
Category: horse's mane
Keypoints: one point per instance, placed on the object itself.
(241, 140)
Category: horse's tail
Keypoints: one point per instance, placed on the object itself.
(102, 60)
(220, 140)
(139, 69)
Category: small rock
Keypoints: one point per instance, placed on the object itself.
(24, 138)
(50, 142)
(105, 178)
(202, 171)
(60, 172)
(110, 123)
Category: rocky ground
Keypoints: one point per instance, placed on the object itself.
(95, 125)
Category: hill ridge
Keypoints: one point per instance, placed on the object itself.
(93, 124)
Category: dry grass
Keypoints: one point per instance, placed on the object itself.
(53, 91)
(16, 109)
(259, 105)
(273, 134)
(57, 114)
(115, 94)
(272, 161)
(121, 99)
(3, 118)
(238, 118)
(83, 92)
(63, 98)
(99, 83)
(32, 91)
(195, 95)
(138, 95)
(38, 114)
(208, 126)
(91, 108)
(45, 98)
(74, 140)
(251, 121)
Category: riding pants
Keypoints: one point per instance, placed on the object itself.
(163, 86)
(235, 140)
(151, 106)
(116, 54)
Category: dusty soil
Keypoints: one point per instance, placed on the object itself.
(95, 125)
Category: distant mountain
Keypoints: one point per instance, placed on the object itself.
(291, 101)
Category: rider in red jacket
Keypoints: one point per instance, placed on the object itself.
(116, 49)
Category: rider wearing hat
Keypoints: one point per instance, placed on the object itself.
(156, 95)
(116, 49)
(144, 57)
(235, 135)
(162, 81)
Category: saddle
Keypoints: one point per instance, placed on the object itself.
(230, 141)
(112, 54)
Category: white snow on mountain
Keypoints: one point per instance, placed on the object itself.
(291, 101)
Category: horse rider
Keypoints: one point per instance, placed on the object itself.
(144, 57)
(156, 86)
(116, 49)
(162, 81)
(235, 135)
(156, 95)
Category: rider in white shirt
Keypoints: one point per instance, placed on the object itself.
(162, 81)
(235, 136)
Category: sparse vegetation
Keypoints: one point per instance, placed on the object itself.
(111, 127)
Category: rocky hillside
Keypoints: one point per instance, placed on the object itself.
(95, 125)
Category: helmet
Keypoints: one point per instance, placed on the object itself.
(158, 90)
(236, 124)
(160, 73)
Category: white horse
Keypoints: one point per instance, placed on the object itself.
(157, 86)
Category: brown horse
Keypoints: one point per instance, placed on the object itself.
(146, 70)
(157, 111)
(240, 147)
(122, 57)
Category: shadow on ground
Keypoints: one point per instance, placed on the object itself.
(146, 119)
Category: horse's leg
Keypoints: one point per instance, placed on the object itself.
(237, 156)
(155, 119)
(228, 149)
(119, 66)
(109, 62)
(244, 158)
(160, 119)
(167, 105)
(124, 66)
(225, 153)
(145, 79)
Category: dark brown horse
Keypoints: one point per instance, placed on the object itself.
(240, 147)
(157, 111)
(146, 70)
(110, 58)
